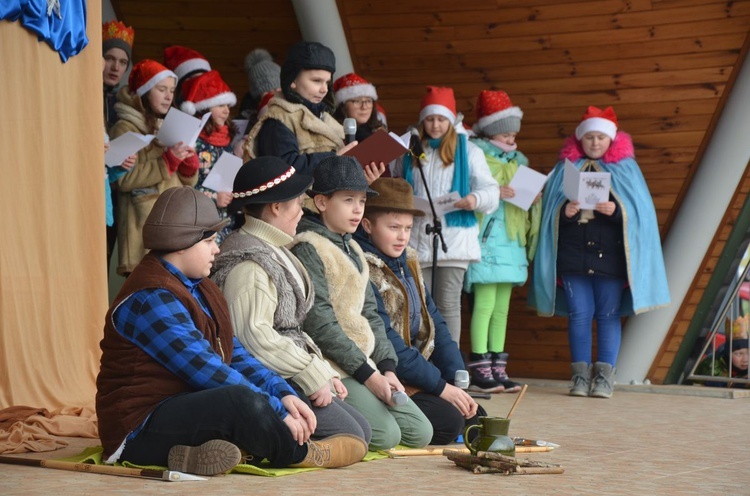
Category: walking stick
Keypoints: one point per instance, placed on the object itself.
(143, 473)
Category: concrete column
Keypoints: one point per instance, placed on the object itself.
(688, 240)
(319, 21)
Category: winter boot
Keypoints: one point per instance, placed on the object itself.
(339, 450)
(602, 380)
(210, 458)
(581, 379)
(480, 368)
(499, 362)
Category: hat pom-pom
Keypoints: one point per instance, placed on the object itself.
(256, 56)
(188, 107)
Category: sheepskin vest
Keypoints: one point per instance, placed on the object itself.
(347, 288)
(293, 305)
(393, 293)
(313, 134)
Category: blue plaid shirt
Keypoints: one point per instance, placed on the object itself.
(158, 323)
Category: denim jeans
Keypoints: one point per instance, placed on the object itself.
(589, 298)
(232, 413)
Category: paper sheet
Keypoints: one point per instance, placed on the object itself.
(124, 146)
(241, 129)
(587, 188)
(443, 204)
(223, 172)
(527, 184)
(181, 127)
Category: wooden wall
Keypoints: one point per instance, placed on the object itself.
(662, 64)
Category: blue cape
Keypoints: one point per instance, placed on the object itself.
(647, 279)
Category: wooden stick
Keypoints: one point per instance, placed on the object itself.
(518, 400)
(398, 453)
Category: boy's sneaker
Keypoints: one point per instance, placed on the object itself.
(334, 451)
(480, 369)
(210, 458)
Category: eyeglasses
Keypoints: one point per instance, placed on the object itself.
(362, 102)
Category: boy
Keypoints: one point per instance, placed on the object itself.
(427, 355)
(175, 387)
(344, 320)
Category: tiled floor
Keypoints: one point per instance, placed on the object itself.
(635, 444)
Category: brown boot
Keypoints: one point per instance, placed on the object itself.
(210, 458)
(334, 451)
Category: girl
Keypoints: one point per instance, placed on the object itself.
(603, 263)
(356, 98)
(507, 235)
(141, 107)
(269, 293)
(209, 93)
(450, 164)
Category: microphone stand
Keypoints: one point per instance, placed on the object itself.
(436, 228)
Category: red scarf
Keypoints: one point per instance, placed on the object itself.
(219, 137)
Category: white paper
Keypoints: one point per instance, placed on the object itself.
(587, 188)
(179, 126)
(221, 177)
(405, 139)
(124, 146)
(527, 184)
(443, 204)
(241, 128)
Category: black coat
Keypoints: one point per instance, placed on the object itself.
(594, 247)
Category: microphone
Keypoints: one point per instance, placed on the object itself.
(350, 130)
(415, 145)
(461, 380)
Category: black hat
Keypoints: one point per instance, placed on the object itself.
(305, 55)
(267, 180)
(339, 173)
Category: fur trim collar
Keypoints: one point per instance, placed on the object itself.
(620, 149)
(127, 111)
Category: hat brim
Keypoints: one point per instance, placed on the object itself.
(383, 208)
(293, 187)
(368, 191)
(168, 238)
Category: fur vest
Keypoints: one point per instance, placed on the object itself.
(347, 288)
(292, 305)
(313, 134)
(396, 302)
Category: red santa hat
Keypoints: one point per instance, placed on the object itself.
(146, 74)
(350, 86)
(205, 91)
(381, 114)
(185, 61)
(598, 120)
(438, 101)
(496, 114)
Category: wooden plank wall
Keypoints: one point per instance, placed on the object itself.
(663, 65)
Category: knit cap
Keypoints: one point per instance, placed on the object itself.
(305, 55)
(263, 74)
(116, 34)
(496, 114)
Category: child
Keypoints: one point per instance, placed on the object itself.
(186, 64)
(427, 356)
(724, 359)
(209, 93)
(450, 164)
(175, 387)
(344, 320)
(507, 237)
(269, 292)
(356, 98)
(608, 260)
(141, 107)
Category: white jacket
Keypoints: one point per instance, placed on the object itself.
(462, 242)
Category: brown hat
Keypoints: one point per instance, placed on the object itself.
(395, 195)
(180, 218)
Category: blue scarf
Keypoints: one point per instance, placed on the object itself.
(461, 182)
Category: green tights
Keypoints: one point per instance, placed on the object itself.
(491, 303)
